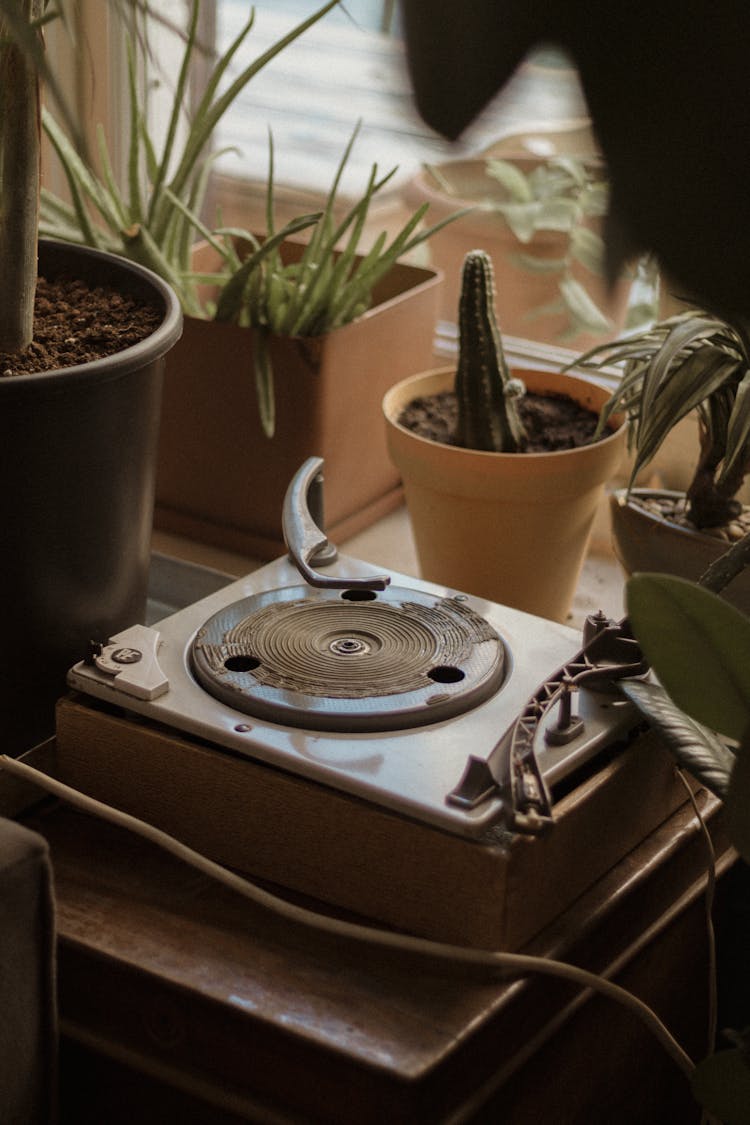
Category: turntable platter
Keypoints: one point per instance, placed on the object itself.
(351, 660)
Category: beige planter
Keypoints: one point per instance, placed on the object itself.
(509, 527)
(222, 481)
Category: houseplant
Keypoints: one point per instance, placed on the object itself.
(488, 517)
(270, 323)
(541, 220)
(692, 363)
(78, 434)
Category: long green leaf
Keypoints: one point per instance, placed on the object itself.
(135, 202)
(325, 231)
(701, 376)
(80, 180)
(660, 368)
(208, 116)
(581, 306)
(511, 178)
(738, 430)
(231, 296)
(183, 77)
(264, 382)
(699, 647)
(695, 746)
(317, 282)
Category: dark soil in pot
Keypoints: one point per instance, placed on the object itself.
(76, 323)
(674, 509)
(552, 422)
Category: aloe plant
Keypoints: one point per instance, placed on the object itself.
(486, 393)
(692, 361)
(328, 287)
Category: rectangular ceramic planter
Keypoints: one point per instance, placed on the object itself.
(221, 481)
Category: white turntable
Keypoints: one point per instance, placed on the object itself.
(425, 701)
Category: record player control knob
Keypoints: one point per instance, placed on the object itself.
(130, 658)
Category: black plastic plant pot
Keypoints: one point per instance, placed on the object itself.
(79, 449)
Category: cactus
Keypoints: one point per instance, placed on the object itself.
(487, 395)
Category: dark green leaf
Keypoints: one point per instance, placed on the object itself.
(264, 382)
(695, 747)
(699, 647)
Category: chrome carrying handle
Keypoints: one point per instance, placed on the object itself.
(308, 545)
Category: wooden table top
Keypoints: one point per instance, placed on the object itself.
(160, 963)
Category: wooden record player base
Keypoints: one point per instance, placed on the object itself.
(320, 842)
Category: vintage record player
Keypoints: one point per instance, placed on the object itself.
(378, 742)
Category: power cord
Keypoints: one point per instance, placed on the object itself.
(492, 964)
(709, 906)
(707, 1118)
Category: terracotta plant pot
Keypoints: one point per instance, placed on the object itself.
(222, 481)
(76, 499)
(519, 290)
(509, 527)
(647, 542)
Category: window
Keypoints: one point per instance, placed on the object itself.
(347, 68)
(350, 67)
(311, 96)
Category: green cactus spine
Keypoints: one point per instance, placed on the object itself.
(487, 395)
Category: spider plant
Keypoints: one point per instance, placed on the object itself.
(692, 361)
(567, 196)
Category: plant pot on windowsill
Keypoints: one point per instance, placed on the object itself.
(76, 499)
(509, 527)
(647, 539)
(222, 481)
(687, 373)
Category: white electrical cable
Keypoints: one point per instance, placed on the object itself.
(494, 964)
(709, 908)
